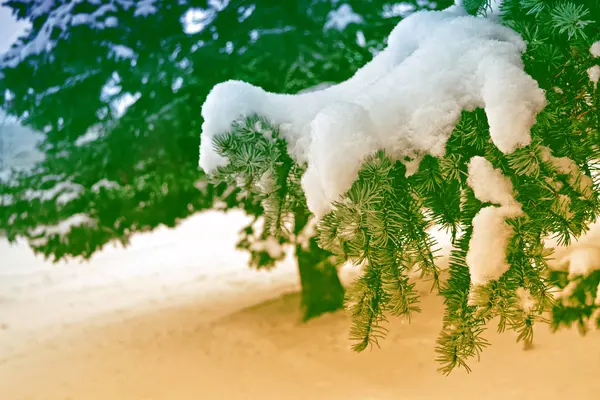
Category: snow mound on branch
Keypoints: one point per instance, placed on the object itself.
(489, 184)
(406, 101)
(486, 257)
(581, 257)
(564, 165)
(233, 100)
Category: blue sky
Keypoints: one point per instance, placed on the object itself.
(10, 29)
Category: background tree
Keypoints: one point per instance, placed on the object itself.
(116, 88)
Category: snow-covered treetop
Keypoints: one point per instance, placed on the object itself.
(406, 101)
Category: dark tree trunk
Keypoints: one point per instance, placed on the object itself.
(322, 290)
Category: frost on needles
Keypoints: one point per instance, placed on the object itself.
(435, 131)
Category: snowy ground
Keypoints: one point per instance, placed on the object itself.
(178, 315)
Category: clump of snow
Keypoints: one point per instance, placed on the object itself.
(92, 134)
(145, 8)
(177, 84)
(342, 17)
(594, 74)
(269, 245)
(488, 183)
(406, 101)
(595, 49)
(583, 260)
(581, 257)
(123, 102)
(398, 10)
(564, 165)
(195, 19)
(527, 302)
(486, 256)
(104, 184)
(346, 125)
(64, 227)
(62, 193)
(245, 12)
(122, 52)
(566, 292)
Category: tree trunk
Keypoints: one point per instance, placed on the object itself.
(322, 290)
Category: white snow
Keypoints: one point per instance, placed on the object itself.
(19, 146)
(60, 18)
(486, 256)
(122, 52)
(398, 10)
(595, 49)
(111, 22)
(566, 292)
(177, 84)
(10, 28)
(581, 257)
(92, 134)
(269, 245)
(104, 184)
(360, 39)
(187, 261)
(564, 165)
(526, 300)
(594, 74)
(489, 184)
(145, 8)
(62, 193)
(123, 102)
(195, 19)
(245, 12)
(64, 227)
(342, 17)
(179, 315)
(406, 101)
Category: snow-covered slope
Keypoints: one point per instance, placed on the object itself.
(160, 320)
(196, 260)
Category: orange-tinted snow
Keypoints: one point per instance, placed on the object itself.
(165, 319)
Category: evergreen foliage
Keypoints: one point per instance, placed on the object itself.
(381, 222)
